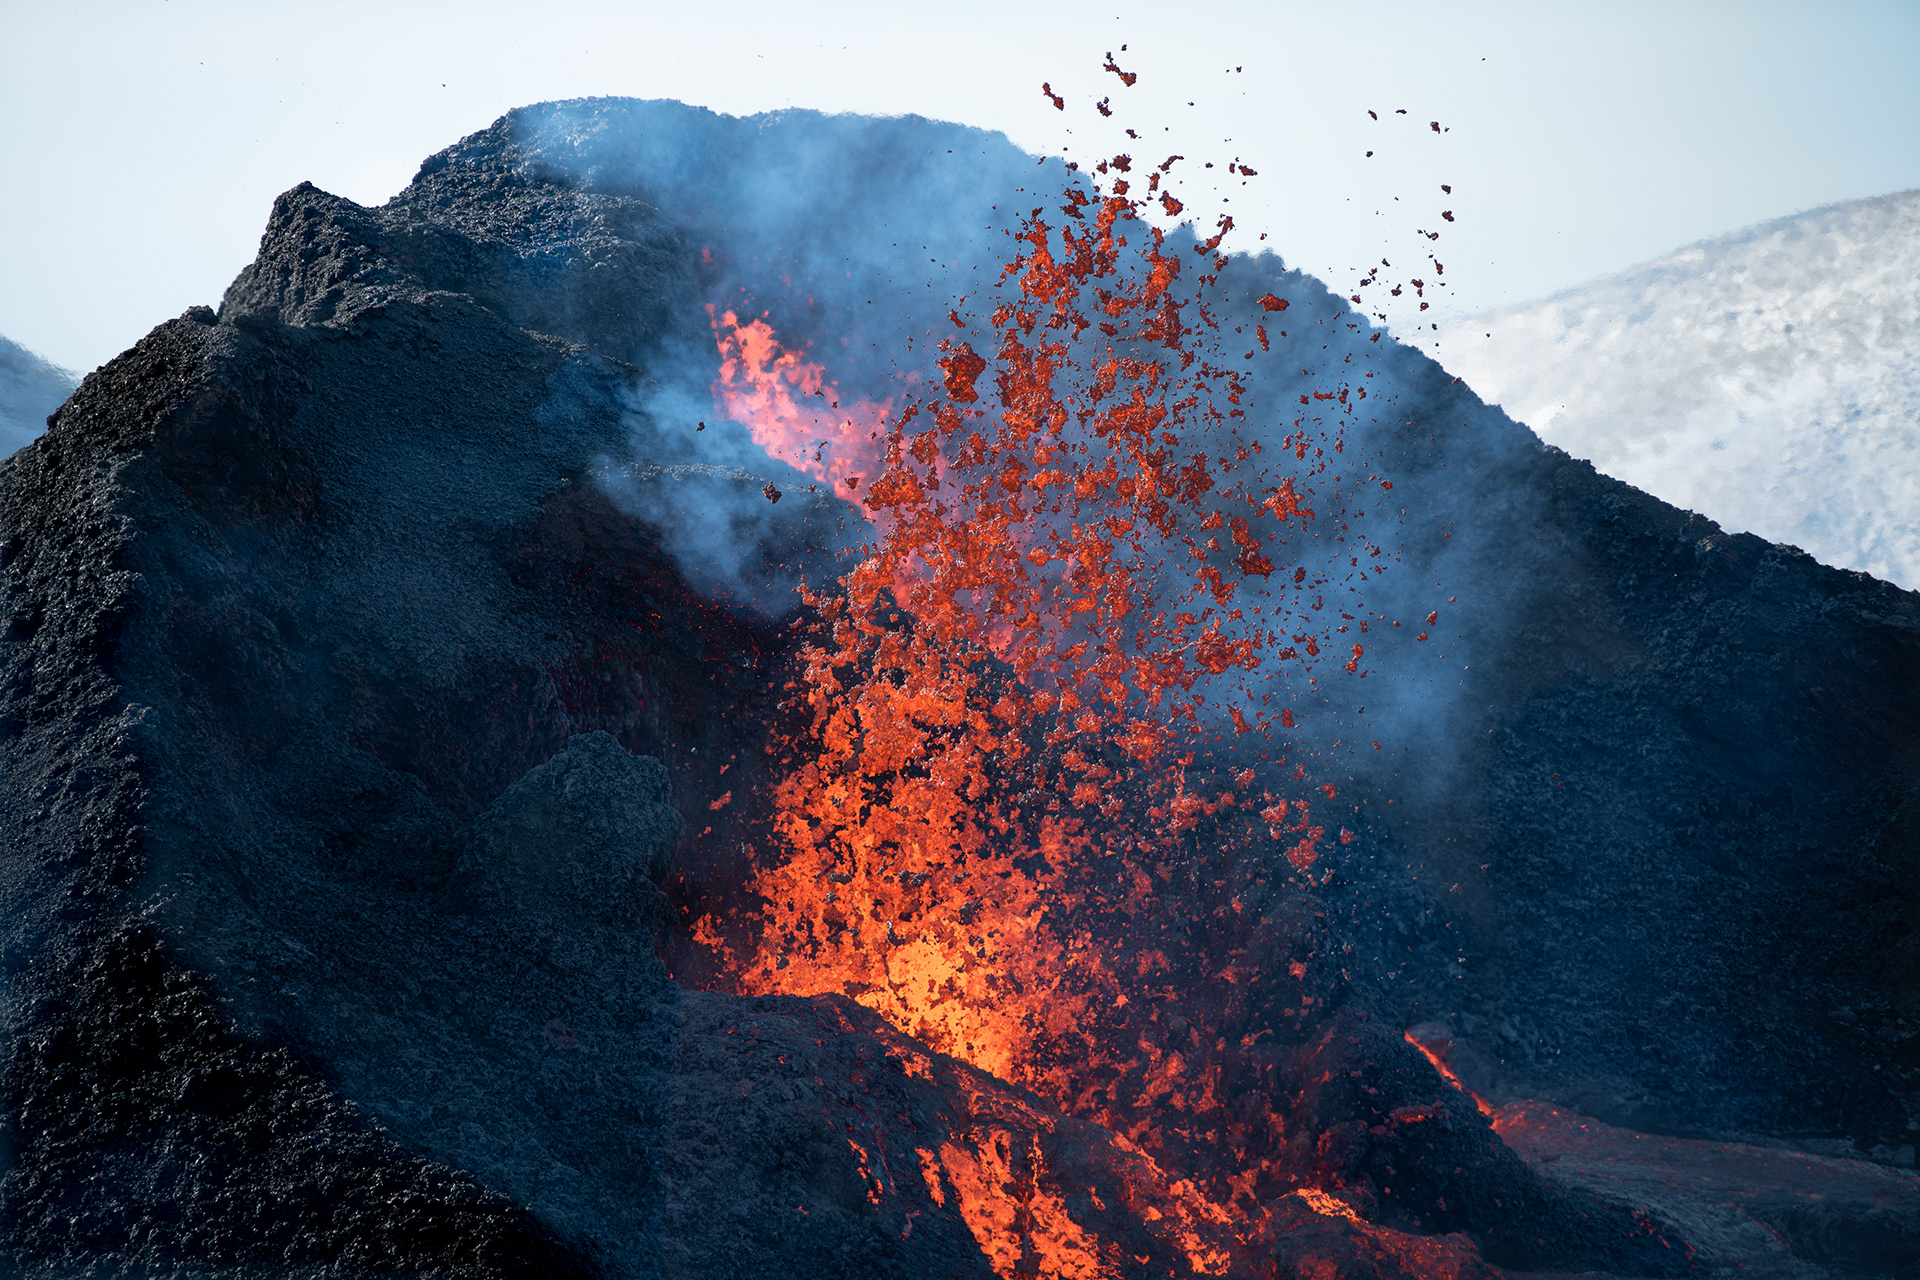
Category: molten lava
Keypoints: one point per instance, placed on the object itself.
(790, 408)
(1039, 771)
(1435, 1044)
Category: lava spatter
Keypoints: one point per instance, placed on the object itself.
(1039, 774)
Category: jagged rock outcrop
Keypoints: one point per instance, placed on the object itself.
(580, 835)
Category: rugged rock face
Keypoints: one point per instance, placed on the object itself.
(351, 725)
(1684, 835)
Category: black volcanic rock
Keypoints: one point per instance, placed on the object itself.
(356, 711)
(585, 831)
(292, 611)
(1683, 832)
(540, 254)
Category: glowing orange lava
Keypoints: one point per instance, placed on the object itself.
(790, 408)
(1038, 752)
(1434, 1045)
(987, 835)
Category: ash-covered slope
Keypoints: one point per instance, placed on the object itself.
(332, 855)
(30, 389)
(1769, 378)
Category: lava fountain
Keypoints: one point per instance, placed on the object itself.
(1045, 810)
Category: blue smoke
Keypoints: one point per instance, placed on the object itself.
(30, 389)
(855, 238)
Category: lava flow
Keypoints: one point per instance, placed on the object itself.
(1046, 768)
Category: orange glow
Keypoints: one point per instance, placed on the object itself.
(1432, 1048)
(790, 408)
(1325, 1205)
(1011, 1227)
(935, 825)
(1033, 716)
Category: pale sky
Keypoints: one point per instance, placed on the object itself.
(146, 141)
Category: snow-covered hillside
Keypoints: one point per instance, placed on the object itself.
(30, 389)
(1769, 379)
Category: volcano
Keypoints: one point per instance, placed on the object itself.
(407, 671)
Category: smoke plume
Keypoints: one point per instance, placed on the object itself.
(30, 389)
